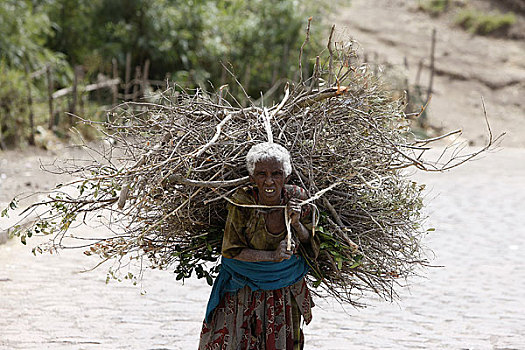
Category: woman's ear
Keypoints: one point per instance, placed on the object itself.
(252, 180)
(286, 179)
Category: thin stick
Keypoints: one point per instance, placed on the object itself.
(331, 58)
(426, 141)
(302, 48)
(285, 98)
(178, 179)
(287, 221)
(267, 125)
(215, 137)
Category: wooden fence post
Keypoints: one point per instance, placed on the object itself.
(114, 88)
(127, 76)
(136, 84)
(167, 79)
(30, 106)
(407, 83)
(74, 92)
(50, 88)
(145, 73)
(432, 55)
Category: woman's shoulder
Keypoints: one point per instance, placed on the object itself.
(244, 195)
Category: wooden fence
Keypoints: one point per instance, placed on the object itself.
(126, 89)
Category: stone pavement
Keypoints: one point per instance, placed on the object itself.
(476, 301)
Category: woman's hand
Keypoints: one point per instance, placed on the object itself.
(294, 211)
(281, 253)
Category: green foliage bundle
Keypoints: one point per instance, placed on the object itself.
(483, 23)
(434, 7)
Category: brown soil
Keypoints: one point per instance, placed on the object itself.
(468, 68)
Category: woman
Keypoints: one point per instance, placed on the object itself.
(260, 294)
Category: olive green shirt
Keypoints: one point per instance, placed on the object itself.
(246, 227)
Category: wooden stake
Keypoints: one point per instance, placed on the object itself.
(145, 74)
(50, 88)
(407, 84)
(74, 92)
(136, 84)
(418, 74)
(127, 76)
(114, 88)
(432, 55)
(287, 221)
(30, 107)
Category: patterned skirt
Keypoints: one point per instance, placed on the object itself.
(259, 320)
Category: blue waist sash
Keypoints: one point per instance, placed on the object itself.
(265, 275)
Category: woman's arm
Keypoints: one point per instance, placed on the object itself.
(277, 255)
(302, 232)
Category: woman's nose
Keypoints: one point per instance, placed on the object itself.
(268, 180)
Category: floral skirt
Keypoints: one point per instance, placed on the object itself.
(261, 319)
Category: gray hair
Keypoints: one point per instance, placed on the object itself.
(267, 150)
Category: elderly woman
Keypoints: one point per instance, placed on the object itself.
(260, 294)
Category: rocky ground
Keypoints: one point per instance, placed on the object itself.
(467, 67)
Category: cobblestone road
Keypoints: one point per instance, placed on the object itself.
(476, 301)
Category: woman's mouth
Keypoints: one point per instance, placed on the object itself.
(269, 190)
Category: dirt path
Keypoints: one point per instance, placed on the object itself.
(467, 66)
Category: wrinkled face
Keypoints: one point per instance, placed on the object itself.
(269, 178)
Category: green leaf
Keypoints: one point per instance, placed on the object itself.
(356, 264)
(339, 262)
(13, 205)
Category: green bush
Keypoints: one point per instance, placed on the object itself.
(434, 7)
(191, 40)
(12, 105)
(478, 22)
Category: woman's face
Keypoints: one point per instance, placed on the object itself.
(269, 178)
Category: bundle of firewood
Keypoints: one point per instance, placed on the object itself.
(162, 182)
